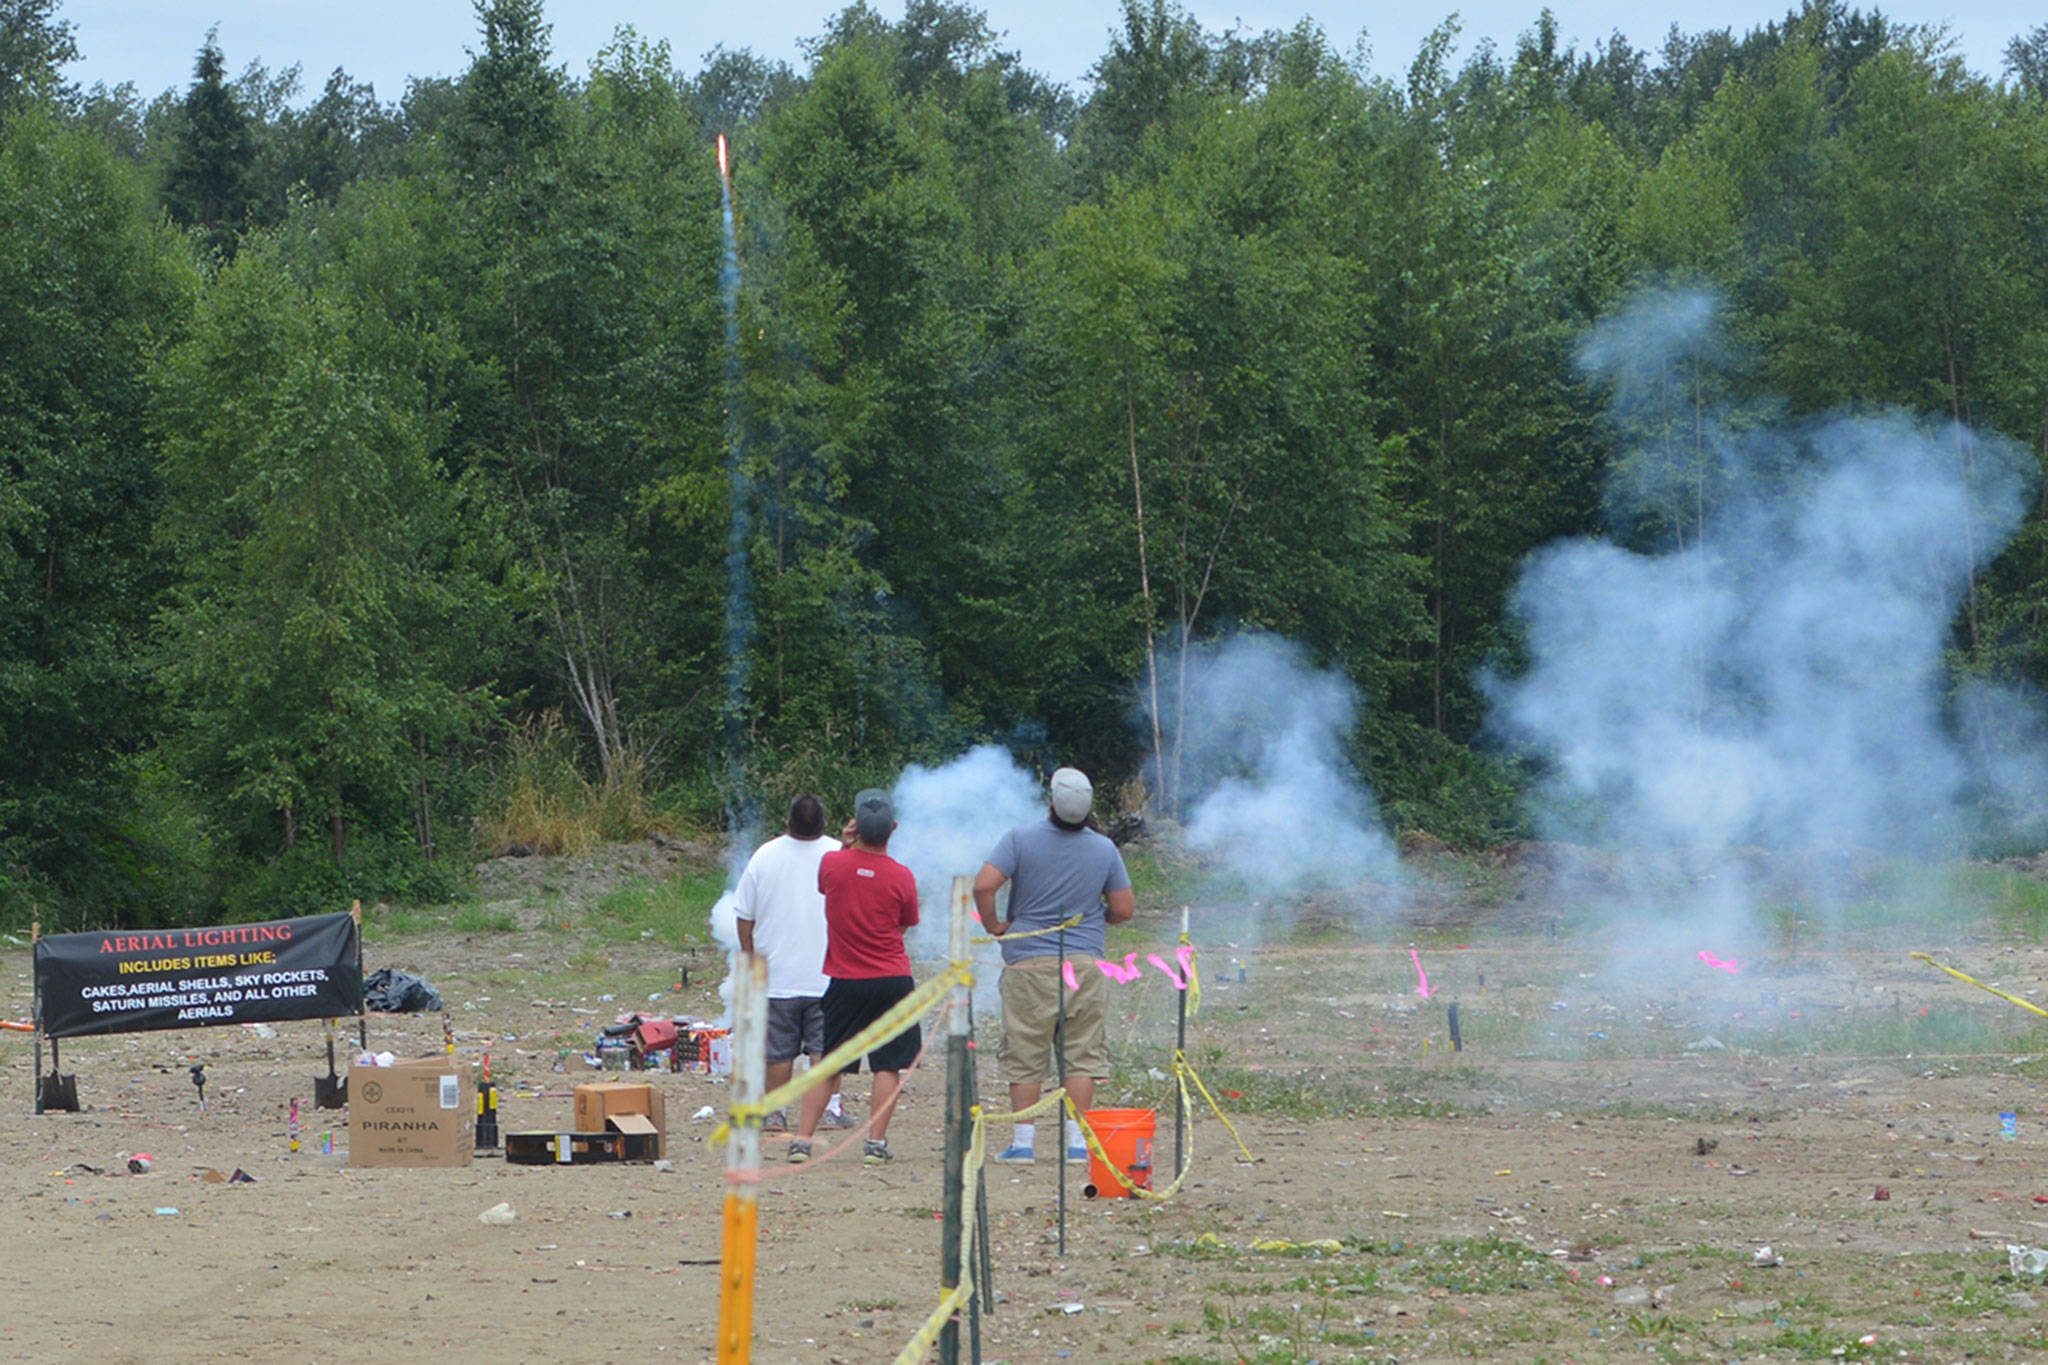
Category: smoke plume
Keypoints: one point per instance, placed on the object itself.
(948, 820)
(1773, 674)
(1255, 738)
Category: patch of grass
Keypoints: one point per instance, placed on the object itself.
(873, 1305)
(1332, 1094)
(475, 919)
(1469, 1265)
(1161, 883)
(395, 921)
(1940, 1029)
(1819, 1343)
(674, 911)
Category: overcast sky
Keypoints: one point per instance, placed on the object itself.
(153, 42)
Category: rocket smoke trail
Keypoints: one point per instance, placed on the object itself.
(739, 598)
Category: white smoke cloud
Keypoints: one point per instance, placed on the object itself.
(948, 820)
(1779, 679)
(1256, 736)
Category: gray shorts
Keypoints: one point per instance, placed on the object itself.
(795, 1025)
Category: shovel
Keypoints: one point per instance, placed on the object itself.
(330, 1091)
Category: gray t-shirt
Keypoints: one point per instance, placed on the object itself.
(1054, 874)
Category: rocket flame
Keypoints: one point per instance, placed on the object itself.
(723, 174)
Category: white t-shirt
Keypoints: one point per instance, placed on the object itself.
(779, 893)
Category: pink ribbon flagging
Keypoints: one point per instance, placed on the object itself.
(1129, 972)
(1712, 961)
(1422, 989)
(1171, 975)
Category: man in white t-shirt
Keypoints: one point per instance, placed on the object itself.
(781, 915)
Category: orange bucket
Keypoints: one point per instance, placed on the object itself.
(1126, 1135)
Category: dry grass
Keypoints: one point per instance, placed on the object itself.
(545, 805)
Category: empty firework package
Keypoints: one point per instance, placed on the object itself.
(601, 1101)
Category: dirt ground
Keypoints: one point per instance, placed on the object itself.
(1596, 1175)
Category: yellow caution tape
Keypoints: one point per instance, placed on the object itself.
(1180, 1064)
(1183, 1073)
(951, 1301)
(1965, 976)
(1012, 935)
(900, 1017)
(1045, 1103)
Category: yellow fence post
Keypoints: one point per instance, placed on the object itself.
(743, 1161)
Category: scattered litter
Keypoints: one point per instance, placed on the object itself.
(388, 991)
(262, 1030)
(1766, 1257)
(1706, 1042)
(1071, 1308)
(241, 1177)
(664, 1165)
(140, 1163)
(1328, 1244)
(2026, 1260)
(620, 1213)
(498, 1216)
(1884, 1192)
(167, 1213)
(706, 1112)
(213, 1177)
(1633, 1296)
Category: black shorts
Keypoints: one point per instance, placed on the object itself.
(852, 1003)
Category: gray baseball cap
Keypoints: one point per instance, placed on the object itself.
(874, 816)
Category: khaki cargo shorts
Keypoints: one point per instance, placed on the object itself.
(1031, 1004)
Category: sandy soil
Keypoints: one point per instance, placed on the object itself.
(1591, 1178)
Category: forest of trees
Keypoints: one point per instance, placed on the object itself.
(369, 468)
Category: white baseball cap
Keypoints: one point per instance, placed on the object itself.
(1072, 795)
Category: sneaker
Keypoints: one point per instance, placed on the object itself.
(1017, 1154)
(799, 1152)
(777, 1122)
(876, 1152)
(839, 1120)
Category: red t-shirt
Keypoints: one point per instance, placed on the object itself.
(870, 899)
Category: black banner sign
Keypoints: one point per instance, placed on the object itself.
(128, 980)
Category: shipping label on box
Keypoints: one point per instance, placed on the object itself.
(419, 1113)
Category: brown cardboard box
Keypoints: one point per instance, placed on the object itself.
(600, 1100)
(419, 1113)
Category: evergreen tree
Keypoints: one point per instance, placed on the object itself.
(206, 185)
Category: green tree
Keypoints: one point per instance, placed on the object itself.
(313, 646)
(206, 185)
(34, 46)
(89, 286)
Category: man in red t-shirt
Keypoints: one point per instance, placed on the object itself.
(870, 902)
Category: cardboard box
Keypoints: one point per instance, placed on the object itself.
(598, 1101)
(419, 1113)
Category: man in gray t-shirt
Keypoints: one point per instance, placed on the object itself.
(1055, 870)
